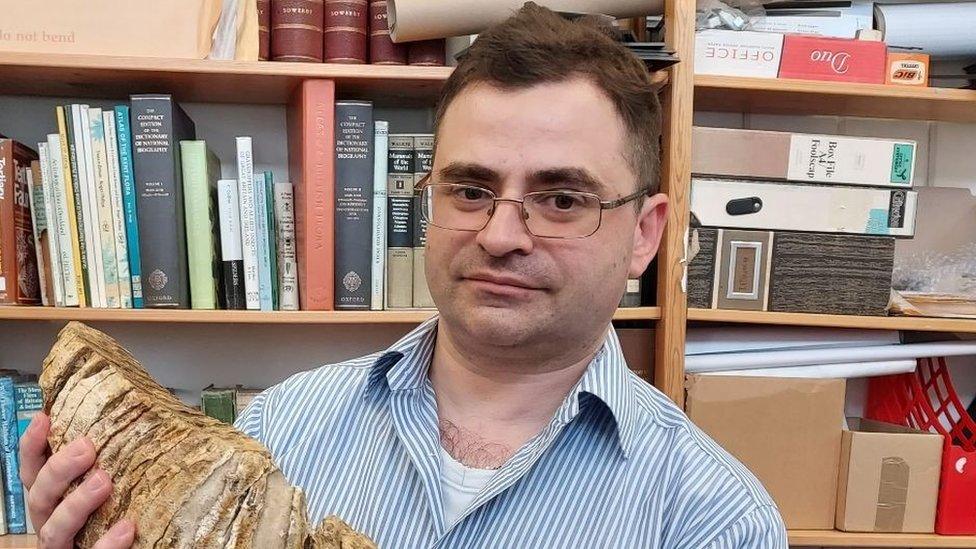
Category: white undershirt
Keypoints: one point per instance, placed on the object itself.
(460, 485)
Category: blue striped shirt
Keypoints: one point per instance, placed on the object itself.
(619, 465)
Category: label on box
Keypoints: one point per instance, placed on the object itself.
(738, 53)
(907, 69)
(835, 159)
(817, 58)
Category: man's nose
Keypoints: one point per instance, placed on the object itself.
(505, 232)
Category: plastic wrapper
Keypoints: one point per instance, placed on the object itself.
(731, 15)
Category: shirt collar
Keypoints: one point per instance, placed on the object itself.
(405, 364)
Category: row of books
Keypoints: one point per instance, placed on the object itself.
(20, 399)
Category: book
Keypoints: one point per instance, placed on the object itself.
(158, 124)
(399, 222)
(264, 30)
(201, 170)
(243, 396)
(423, 147)
(19, 283)
(123, 133)
(426, 53)
(382, 49)
(265, 297)
(249, 239)
(48, 180)
(66, 231)
(39, 230)
(632, 293)
(86, 168)
(296, 30)
(381, 130)
(353, 203)
(311, 166)
(344, 31)
(118, 210)
(13, 488)
(231, 253)
(219, 404)
(272, 237)
(284, 203)
(28, 400)
(103, 202)
(72, 184)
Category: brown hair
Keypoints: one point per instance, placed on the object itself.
(537, 46)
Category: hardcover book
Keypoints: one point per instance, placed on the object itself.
(89, 203)
(353, 204)
(248, 209)
(39, 230)
(66, 231)
(13, 488)
(219, 404)
(423, 163)
(400, 222)
(118, 210)
(123, 134)
(72, 181)
(382, 49)
(265, 297)
(345, 31)
(231, 253)
(426, 53)
(296, 30)
(284, 203)
(103, 203)
(264, 29)
(381, 152)
(201, 170)
(19, 283)
(46, 204)
(28, 400)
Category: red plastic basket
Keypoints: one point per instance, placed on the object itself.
(927, 400)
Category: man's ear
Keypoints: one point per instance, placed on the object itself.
(647, 233)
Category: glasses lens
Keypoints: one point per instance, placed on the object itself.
(458, 207)
(562, 214)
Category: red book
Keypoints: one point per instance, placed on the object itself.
(311, 142)
(382, 49)
(818, 58)
(345, 31)
(296, 30)
(19, 283)
(264, 29)
(426, 53)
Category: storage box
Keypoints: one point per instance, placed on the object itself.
(817, 58)
(838, 22)
(809, 158)
(744, 204)
(738, 53)
(889, 478)
(161, 28)
(786, 431)
(907, 69)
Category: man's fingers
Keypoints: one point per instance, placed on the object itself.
(33, 449)
(70, 515)
(119, 536)
(55, 476)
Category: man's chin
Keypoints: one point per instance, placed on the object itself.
(503, 325)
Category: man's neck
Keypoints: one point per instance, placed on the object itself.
(489, 406)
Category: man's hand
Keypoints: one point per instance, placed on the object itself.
(57, 517)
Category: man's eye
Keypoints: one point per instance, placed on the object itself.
(471, 193)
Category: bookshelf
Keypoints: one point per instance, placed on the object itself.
(834, 538)
(919, 324)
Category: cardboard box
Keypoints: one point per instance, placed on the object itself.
(808, 158)
(907, 69)
(889, 478)
(786, 431)
(744, 204)
(738, 53)
(817, 58)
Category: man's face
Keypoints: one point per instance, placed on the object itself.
(502, 285)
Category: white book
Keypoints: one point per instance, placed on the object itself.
(66, 252)
(103, 201)
(284, 208)
(381, 131)
(53, 257)
(85, 185)
(38, 226)
(118, 214)
(249, 243)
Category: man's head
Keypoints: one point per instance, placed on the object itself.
(540, 103)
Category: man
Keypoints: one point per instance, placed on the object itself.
(511, 420)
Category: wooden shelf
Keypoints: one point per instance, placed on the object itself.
(834, 538)
(252, 317)
(18, 541)
(922, 324)
(785, 96)
(108, 77)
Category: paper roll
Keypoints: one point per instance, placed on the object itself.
(412, 20)
(828, 371)
(938, 29)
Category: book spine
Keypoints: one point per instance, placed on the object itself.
(381, 130)
(399, 222)
(129, 196)
(39, 230)
(118, 214)
(219, 404)
(423, 163)
(28, 400)
(261, 235)
(13, 489)
(19, 284)
(345, 31)
(74, 290)
(426, 53)
(382, 49)
(106, 220)
(284, 203)
(272, 238)
(69, 159)
(632, 293)
(157, 127)
(51, 219)
(249, 245)
(89, 206)
(231, 253)
(353, 204)
(264, 29)
(296, 30)
(311, 163)
(199, 239)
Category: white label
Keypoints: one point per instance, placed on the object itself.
(3, 284)
(633, 285)
(835, 159)
(738, 53)
(230, 220)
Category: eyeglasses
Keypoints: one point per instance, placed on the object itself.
(546, 214)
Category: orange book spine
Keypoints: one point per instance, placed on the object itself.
(311, 142)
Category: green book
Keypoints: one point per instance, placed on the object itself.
(219, 403)
(201, 170)
(272, 234)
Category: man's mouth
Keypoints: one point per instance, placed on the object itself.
(502, 284)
